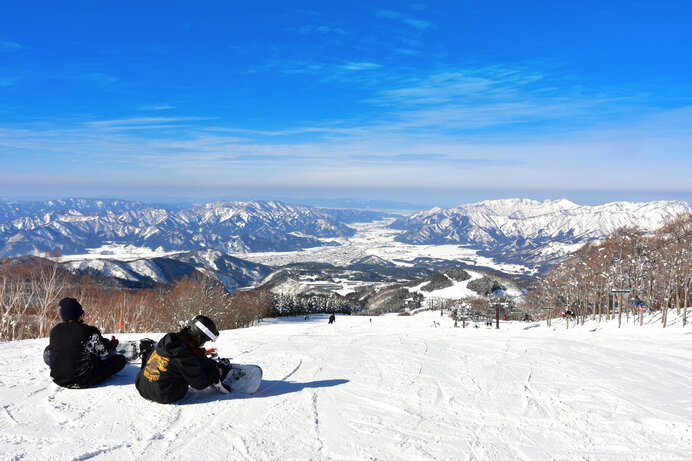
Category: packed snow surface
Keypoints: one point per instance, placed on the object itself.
(383, 388)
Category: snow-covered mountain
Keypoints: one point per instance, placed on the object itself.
(73, 225)
(232, 272)
(529, 231)
(525, 233)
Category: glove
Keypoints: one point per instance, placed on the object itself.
(225, 368)
(114, 343)
(146, 345)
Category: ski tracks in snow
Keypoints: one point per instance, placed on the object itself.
(391, 389)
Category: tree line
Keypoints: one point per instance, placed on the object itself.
(315, 303)
(629, 273)
(31, 288)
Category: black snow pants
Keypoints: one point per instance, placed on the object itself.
(105, 369)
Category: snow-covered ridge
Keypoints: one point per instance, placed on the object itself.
(534, 219)
(74, 225)
(521, 224)
(232, 272)
(519, 233)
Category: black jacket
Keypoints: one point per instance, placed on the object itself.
(171, 368)
(75, 353)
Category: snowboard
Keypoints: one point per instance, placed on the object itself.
(244, 379)
(129, 349)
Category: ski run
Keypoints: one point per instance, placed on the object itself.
(384, 388)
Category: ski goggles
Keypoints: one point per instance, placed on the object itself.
(206, 330)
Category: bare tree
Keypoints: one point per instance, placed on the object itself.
(15, 301)
(616, 276)
(48, 284)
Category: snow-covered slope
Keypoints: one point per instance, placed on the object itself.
(458, 289)
(390, 388)
(529, 231)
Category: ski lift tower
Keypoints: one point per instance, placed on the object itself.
(461, 312)
(491, 295)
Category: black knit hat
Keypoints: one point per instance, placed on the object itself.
(70, 309)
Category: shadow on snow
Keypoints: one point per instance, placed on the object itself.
(125, 377)
(271, 388)
(268, 388)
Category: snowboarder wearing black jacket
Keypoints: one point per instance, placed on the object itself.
(78, 353)
(179, 361)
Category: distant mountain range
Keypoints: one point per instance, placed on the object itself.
(531, 232)
(72, 226)
(527, 232)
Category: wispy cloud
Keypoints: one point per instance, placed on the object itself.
(333, 129)
(82, 74)
(486, 97)
(456, 84)
(470, 97)
(403, 17)
(322, 29)
(425, 130)
(156, 107)
(9, 47)
(367, 156)
(360, 66)
(408, 52)
(425, 159)
(98, 78)
(144, 122)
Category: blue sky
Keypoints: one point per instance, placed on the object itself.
(429, 102)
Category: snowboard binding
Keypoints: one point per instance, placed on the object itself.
(244, 379)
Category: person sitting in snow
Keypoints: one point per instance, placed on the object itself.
(180, 361)
(78, 354)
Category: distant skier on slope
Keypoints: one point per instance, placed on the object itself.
(179, 361)
(77, 350)
(332, 318)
